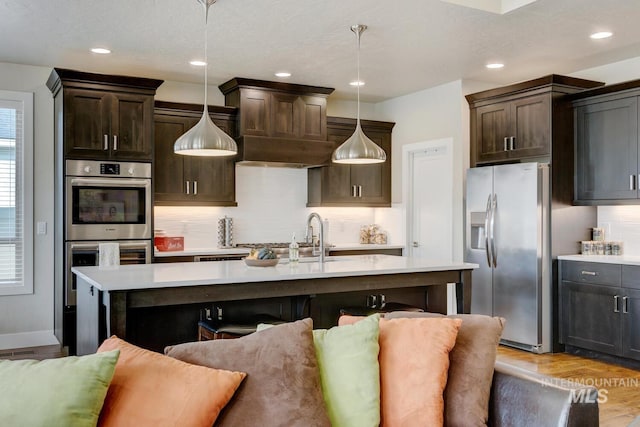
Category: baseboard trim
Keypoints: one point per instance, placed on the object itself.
(27, 339)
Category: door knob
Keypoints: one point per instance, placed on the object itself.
(415, 244)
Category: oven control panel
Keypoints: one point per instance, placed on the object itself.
(107, 169)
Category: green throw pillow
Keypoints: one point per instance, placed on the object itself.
(349, 372)
(61, 392)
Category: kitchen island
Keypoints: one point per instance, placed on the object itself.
(108, 298)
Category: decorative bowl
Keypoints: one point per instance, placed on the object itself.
(261, 262)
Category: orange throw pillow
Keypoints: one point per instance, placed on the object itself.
(150, 389)
(414, 364)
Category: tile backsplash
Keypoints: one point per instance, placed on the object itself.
(271, 207)
(621, 223)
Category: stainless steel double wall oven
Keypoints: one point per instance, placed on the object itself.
(105, 201)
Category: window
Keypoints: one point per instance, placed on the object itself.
(16, 193)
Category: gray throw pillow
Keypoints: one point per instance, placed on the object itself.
(282, 387)
(471, 362)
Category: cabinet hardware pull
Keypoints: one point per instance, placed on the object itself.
(106, 142)
(187, 183)
(512, 142)
(506, 148)
(115, 142)
(588, 273)
(382, 299)
(359, 190)
(353, 191)
(372, 301)
(625, 305)
(195, 188)
(615, 304)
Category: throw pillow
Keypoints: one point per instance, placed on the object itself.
(149, 389)
(350, 373)
(471, 367)
(61, 392)
(414, 364)
(283, 383)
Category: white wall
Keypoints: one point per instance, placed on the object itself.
(28, 319)
(426, 115)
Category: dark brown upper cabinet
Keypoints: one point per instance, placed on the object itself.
(279, 122)
(521, 121)
(607, 145)
(353, 185)
(191, 180)
(104, 117)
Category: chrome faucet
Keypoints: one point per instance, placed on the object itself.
(321, 235)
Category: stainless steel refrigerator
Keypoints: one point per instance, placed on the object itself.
(508, 213)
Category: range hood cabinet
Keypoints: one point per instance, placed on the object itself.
(279, 124)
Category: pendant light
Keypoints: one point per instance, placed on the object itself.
(358, 149)
(205, 138)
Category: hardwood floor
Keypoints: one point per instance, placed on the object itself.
(622, 384)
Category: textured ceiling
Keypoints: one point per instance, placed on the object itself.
(410, 44)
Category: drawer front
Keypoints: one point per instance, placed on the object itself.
(631, 276)
(592, 272)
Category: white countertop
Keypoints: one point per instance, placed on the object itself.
(233, 251)
(608, 259)
(163, 275)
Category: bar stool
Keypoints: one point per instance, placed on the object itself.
(377, 304)
(213, 329)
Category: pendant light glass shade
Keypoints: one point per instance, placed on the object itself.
(205, 138)
(358, 149)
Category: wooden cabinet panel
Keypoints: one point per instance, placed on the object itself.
(353, 185)
(169, 168)
(605, 316)
(491, 131)
(313, 113)
(531, 121)
(607, 150)
(131, 124)
(190, 180)
(108, 125)
(631, 324)
(286, 117)
(254, 119)
(86, 124)
(591, 317)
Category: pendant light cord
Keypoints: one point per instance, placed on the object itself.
(206, 59)
(358, 83)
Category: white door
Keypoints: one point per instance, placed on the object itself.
(429, 198)
(428, 194)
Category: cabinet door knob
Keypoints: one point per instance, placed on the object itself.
(512, 142)
(615, 304)
(195, 188)
(415, 244)
(588, 273)
(625, 305)
(359, 190)
(353, 191)
(506, 148)
(187, 184)
(632, 182)
(115, 142)
(106, 142)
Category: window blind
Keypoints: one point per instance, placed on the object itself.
(16, 244)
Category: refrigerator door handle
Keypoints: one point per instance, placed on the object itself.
(494, 252)
(487, 217)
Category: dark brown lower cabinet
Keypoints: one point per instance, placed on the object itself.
(605, 316)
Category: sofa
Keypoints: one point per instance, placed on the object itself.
(290, 375)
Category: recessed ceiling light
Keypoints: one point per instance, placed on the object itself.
(283, 74)
(100, 50)
(357, 83)
(601, 35)
(198, 63)
(495, 65)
